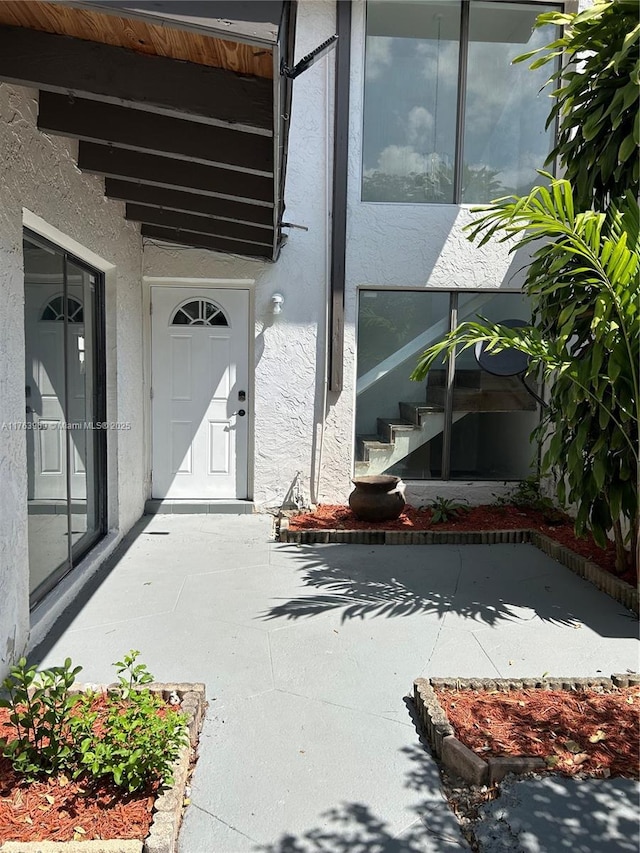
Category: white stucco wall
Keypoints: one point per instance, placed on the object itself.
(39, 173)
(289, 348)
(416, 246)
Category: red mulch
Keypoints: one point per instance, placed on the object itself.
(64, 809)
(477, 518)
(576, 732)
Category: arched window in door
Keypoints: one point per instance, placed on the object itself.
(55, 310)
(199, 312)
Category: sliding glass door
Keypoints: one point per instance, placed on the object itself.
(65, 411)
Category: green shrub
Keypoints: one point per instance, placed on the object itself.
(443, 509)
(41, 706)
(55, 731)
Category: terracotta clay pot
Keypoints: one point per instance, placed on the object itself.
(377, 498)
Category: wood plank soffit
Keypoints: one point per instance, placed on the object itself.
(245, 19)
(133, 30)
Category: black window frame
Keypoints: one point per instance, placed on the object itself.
(454, 294)
(463, 53)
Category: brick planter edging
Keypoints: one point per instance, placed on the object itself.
(618, 589)
(615, 587)
(168, 806)
(461, 761)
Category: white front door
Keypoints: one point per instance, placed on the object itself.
(200, 403)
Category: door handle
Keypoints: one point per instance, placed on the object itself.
(241, 413)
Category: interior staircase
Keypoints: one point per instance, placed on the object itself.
(420, 422)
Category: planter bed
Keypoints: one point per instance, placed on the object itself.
(618, 589)
(461, 761)
(169, 804)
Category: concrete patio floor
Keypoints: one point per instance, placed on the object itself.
(307, 654)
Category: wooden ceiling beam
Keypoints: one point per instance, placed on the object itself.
(199, 224)
(139, 130)
(207, 241)
(119, 76)
(171, 199)
(174, 174)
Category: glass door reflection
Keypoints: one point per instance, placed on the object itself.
(66, 456)
(45, 413)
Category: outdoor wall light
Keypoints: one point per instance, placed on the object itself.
(277, 301)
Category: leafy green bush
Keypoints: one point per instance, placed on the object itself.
(40, 705)
(527, 494)
(596, 98)
(136, 744)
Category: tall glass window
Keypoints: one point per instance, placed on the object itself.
(65, 411)
(410, 96)
(447, 117)
(478, 428)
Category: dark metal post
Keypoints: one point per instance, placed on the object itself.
(463, 48)
(339, 217)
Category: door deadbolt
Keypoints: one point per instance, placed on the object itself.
(242, 395)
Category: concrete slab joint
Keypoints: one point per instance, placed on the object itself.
(461, 761)
(169, 805)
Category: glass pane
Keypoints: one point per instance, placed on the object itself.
(493, 445)
(80, 368)
(410, 99)
(45, 413)
(399, 430)
(505, 140)
(200, 312)
(493, 416)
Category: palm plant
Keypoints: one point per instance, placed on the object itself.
(596, 98)
(585, 341)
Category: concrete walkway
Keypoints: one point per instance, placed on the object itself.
(307, 654)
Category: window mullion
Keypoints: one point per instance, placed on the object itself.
(463, 54)
(66, 399)
(448, 396)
